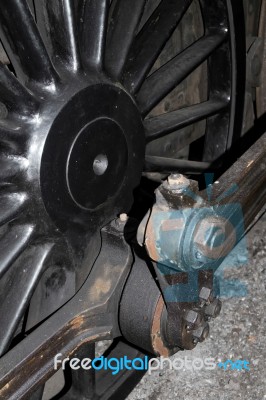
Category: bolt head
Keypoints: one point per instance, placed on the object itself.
(201, 333)
(123, 217)
(120, 222)
(178, 181)
(193, 318)
(205, 295)
(213, 309)
(211, 238)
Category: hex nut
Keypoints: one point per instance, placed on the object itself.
(201, 333)
(207, 237)
(193, 319)
(213, 309)
(205, 295)
(178, 181)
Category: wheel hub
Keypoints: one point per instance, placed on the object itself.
(95, 168)
(93, 154)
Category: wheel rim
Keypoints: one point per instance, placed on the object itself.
(70, 87)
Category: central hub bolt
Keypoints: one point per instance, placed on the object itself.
(100, 164)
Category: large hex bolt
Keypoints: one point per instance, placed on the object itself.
(177, 192)
(209, 240)
(213, 309)
(207, 237)
(205, 295)
(201, 333)
(193, 319)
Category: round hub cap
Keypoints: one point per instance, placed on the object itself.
(95, 169)
(93, 154)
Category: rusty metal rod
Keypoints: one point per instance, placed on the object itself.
(245, 182)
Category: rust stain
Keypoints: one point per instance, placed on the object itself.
(173, 224)
(105, 283)
(77, 322)
(150, 242)
(174, 279)
(157, 342)
(101, 287)
(3, 390)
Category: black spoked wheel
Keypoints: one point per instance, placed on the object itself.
(85, 89)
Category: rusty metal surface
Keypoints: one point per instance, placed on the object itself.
(238, 333)
(248, 176)
(248, 179)
(157, 342)
(182, 234)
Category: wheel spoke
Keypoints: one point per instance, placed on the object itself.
(93, 26)
(161, 82)
(161, 164)
(11, 166)
(11, 205)
(56, 22)
(23, 43)
(3, 56)
(16, 294)
(31, 5)
(162, 125)
(13, 139)
(122, 30)
(151, 40)
(14, 95)
(12, 244)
